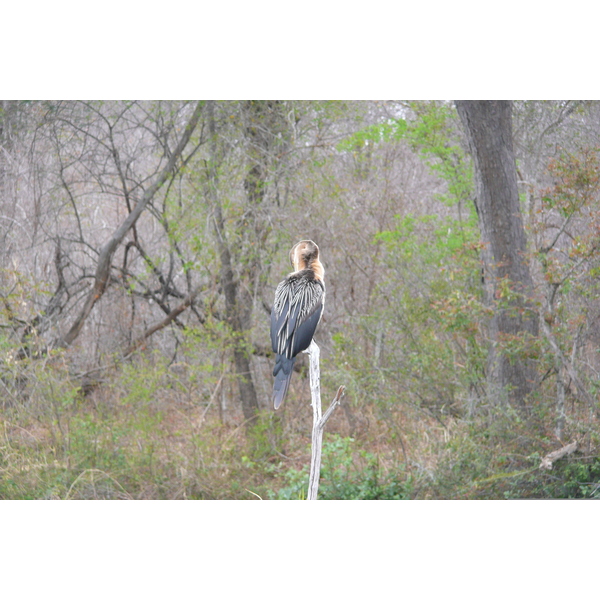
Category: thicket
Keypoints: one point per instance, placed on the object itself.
(386, 190)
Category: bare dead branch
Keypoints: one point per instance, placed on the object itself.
(551, 458)
(109, 249)
(162, 324)
(319, 420)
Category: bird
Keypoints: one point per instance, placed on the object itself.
(296, 312)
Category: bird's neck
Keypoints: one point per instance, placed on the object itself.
(313, 265)
(317, 269)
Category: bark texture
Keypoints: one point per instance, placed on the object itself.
(507, 277)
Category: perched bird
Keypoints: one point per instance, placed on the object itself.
(296, 312)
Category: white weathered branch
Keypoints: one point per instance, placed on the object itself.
(551, 458)
(319, 419)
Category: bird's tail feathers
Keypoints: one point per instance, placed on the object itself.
(283, 375)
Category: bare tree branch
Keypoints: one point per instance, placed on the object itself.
(551, 458)
(162, 324)
(109, 249)
(562, 359)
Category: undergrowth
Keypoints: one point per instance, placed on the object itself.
(140, 437)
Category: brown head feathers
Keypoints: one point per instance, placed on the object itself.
(305, 255)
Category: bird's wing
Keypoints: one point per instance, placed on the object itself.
(295, 315)
(305, 328)
(279, 316)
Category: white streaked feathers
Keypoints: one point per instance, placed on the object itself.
(301, 297)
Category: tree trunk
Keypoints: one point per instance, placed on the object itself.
(507, 278)
(243, 268)
(237, 305)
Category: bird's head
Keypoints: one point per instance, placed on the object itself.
(305, 255)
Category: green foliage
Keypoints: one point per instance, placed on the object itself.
(264, 437)
(566, 229)
(575, 480)
(433, 272)
(143, 380)
(431, 133)
(406, 317)
(577, 178)
(439, 312)
(390, 131)
(59, 445)
(498, 456)
(432, 239)
(347, 474)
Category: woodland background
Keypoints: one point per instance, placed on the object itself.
(141, 244)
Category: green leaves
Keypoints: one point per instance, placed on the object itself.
(435, 240)
(348, 473)
(430, 132)
(389, 131)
